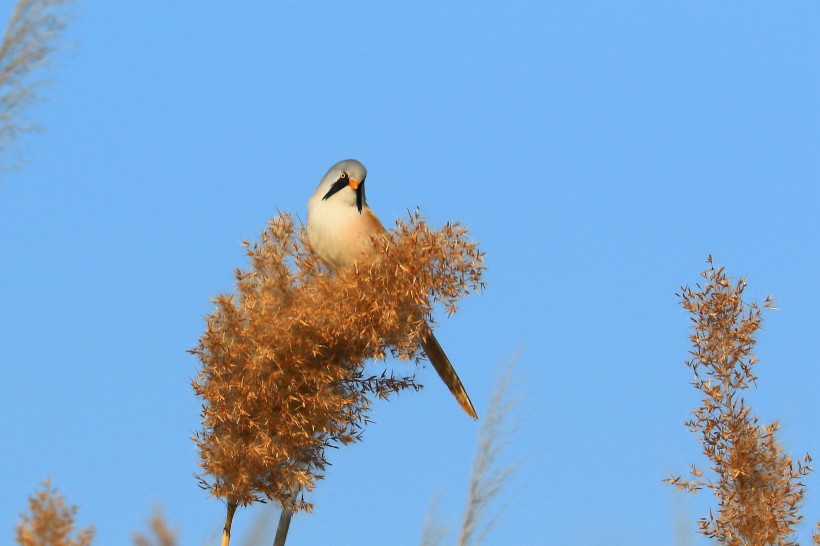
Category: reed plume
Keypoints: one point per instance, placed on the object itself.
(28, 44)
(161, 533)
(283, 373)
(50, 521)
(758, 487)
(489, 475)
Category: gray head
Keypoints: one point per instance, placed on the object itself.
(345, 174)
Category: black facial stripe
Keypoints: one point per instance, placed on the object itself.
(338, 185)
(360, 196)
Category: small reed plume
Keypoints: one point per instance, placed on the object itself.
(161, 533)
(758, 486)
(489, 475)
(283, 360)
(28, 44)
(50, 521)
(434, 531)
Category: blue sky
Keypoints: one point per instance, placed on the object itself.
(597, 151)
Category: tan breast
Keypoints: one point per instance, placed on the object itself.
(340, 235)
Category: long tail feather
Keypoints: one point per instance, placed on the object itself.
(446, 371)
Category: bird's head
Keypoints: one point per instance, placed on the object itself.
(345, 182)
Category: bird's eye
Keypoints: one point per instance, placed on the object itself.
(344, 175)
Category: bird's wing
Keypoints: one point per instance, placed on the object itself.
(372, 222)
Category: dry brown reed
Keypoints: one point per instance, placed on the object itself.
(28, 44)
(758, 487)
(488, 476)
(283, 360)
(161, 533)
(434, 531)
(50, 521)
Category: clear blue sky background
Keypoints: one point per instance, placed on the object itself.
(598, 152)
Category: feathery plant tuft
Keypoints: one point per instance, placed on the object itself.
(757, 485)
(283, 372)
(434, 531)
(161, 532)
(489, 475)
(50, 521)
(28, 44)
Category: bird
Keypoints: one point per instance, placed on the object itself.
(340, 227)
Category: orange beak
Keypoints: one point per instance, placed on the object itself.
(353, 184)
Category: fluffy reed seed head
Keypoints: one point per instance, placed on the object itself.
(29, 42)
(757, 485)
(283, 361)
(161, 533)
(50, 521)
